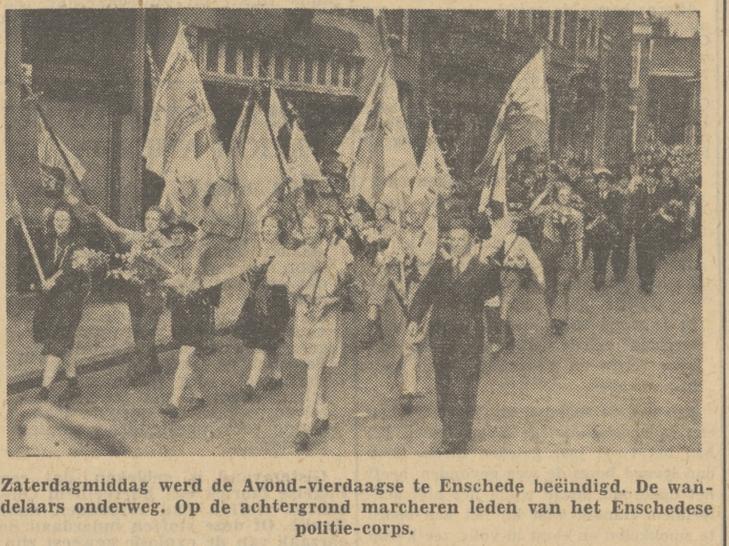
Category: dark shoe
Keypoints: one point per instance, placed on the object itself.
(647, 289)
(407, 403)
(271, 384)
(155, 370)
(43, 394)
(598, 285)
(302, 441)
(170, 411)
(559, 326)
(374, 333)
(619, 279)
(71, 392)
(249, 393)
(198, 403)
(320, 426)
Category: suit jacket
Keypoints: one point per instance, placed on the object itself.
(457, 300)
(644, 204)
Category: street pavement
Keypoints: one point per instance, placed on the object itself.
(626, 377)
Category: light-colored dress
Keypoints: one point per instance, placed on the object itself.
(318, 342)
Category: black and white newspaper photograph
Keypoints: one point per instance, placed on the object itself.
(353, 274)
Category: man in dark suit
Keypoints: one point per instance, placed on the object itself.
(605, 227)
(646, 203)
(456, 287)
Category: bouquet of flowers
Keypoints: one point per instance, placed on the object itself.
(140, 266)
(89, 261)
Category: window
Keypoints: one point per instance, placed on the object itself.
(635, 55)
(541, 24)
(263, 62)
(557, 27)
(248, 62)
(335, 72)
(294, 69)
(570, 30)
(278, 70)
(308, 70)
(584, 32)
(230, 58)
(321, 73)
(347, 74)
(211, 55)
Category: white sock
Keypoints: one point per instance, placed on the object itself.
(313, 376)
(257, 363)
(53, 363)
(182, 374)
(322, 410)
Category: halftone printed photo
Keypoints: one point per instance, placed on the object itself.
(353, 232)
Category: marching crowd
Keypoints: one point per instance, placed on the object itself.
(447, 265)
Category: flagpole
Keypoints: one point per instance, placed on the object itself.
(279, 154)
(41, 113)
(29, 241)
(35, 99)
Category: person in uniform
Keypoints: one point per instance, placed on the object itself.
(61, 302)
(604, 229)
(319, 271)
(454, 291)
(190, 307)
(265, 315)
(561, 251)
(145, 297)
(646, 201)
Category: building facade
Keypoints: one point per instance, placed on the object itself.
(451, 67)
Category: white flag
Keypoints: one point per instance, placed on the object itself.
(433, 174)
(523, 119)
(351, 142)
(255, 162)
(377, 149)
(276, 115)
(301, 155)
(182, 144)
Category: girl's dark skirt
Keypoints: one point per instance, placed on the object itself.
(191, 324)
(263, 319)
(57, 316)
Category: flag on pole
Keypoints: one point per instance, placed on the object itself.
(301, 155)
(496, 191)
(433, 174)
(523, 119)
(282, 132)
(350, 143)
(255, 162)
(377, 149)
(182, 144)
(276, 115)
(54, 170)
